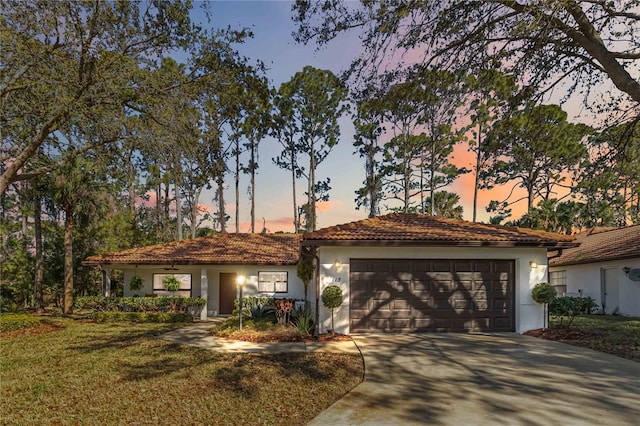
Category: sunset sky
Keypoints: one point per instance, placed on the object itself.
(272, 25)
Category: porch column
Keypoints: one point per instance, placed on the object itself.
(204, 292)
(106, 282)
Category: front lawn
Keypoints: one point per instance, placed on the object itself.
(93, 373)
(614, 335)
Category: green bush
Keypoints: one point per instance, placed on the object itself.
(10, 322)
(303, 319)
(171, 283)
(164, 317)
(543, 293)
(571, 306)
(190, 305)
(136, 283)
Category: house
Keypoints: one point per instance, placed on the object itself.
(399, 272)
(207, 267)
(599, 268)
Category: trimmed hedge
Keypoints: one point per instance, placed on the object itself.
(10, 322)
(166, 317)
(190, 305)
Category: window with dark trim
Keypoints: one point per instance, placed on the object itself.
(558, 280)
(273, 282)
(185, 285)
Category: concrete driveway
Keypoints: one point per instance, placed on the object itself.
(477, 379)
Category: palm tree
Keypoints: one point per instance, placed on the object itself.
(445, 205)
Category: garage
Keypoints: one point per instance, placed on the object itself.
(396, 295)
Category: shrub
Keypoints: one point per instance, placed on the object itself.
(261, 312)
(543, 293)
(571, 306)
(302, 319)
(190, 305)
(10, 322)
(171, 283)
(136, 283)
(332, 298)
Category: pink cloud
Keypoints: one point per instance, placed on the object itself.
(325, 206)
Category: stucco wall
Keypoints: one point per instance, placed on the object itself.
(588, 278)
(528, 314)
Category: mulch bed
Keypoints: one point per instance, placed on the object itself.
(598, 340)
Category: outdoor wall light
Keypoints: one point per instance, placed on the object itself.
(240, 280)
(626, 270)
(533, 264)
(337, 264)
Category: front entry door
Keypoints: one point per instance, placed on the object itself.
(227, 292)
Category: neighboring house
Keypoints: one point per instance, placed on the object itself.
(598, 269)
(400, 272)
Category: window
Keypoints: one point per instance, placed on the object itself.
(272, 282)
(558, 281)
(185, 285)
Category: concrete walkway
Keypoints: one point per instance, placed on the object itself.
(198, 334)
(475, 379)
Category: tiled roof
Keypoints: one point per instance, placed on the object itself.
(602, 244)
(408, 228)
(258, 249)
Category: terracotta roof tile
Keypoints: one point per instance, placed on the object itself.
(602, 244)
(423, 229)
(260, 249)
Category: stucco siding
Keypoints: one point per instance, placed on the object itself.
(589, 278)
(295, 287)
(528, 314)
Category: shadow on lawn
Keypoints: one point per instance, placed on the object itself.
(142, 355)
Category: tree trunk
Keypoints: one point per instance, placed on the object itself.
(476, 182)
(252, 166)
(372, 182)
(223, 220)
(38, 299)
(296, 222)
(312, 187)
(178, 210)
(237, 185)
(194, 212)
(68, 262)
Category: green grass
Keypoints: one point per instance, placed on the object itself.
(9, 322)
(616, 335)
(96, 374)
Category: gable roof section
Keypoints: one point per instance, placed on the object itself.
(219, 249)
(602, 244)
(417, 229)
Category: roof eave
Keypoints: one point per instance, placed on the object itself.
(590, 260)
(440, 243)
(181, 263)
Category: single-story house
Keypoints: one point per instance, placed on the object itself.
(600, 268)
(398, 273)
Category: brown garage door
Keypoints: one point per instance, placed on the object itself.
(431, 295)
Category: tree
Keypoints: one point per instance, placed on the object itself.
(445, 204)
(77, 192)
(488, 98)
(609, 179)
(317, 101)
(332, 299)
(535, 148)
(66, 61)
(541, 43)
(368, 124)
